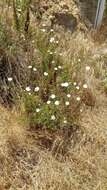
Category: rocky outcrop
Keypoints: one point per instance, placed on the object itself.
(66, 20)
(63, 13)
(69, 14)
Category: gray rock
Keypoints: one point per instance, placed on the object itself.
(67, 20)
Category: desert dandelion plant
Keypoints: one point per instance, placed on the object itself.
(55, 91)
(10, 79)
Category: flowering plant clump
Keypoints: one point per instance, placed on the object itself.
(53, 99)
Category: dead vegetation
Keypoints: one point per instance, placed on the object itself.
(14, 67)
(69, 158)
(54, 160)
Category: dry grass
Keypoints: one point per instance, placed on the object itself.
(40, 160)
(71, 159)
(64, 160)
(44, 161)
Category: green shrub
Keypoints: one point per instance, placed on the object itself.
(52, 98)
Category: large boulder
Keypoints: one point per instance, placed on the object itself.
(67, 20)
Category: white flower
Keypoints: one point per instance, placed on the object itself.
(28, 89)
(65, 121)
(55, 68)
(79, 60)
(30, 66)
(44, 24)
(37, 89)
(59, 67)
(62, 84)
(67, 103)
(53, 61)
(50, 52)
(65, 84)
(52, 39)
(43, 30)
(19, 10)
(85, 86)
(60, 54)
(48, 102)
(53, 96)
(53, 117)
(29, 93)
(37, 110)
(78, 98)
(81, 110)
(77, 87)
(52, 30)
(75, 83)
(68, 95)
(10, 79)
(87, 68)
(57, 42)
(57, 103)
(45, 74)
(51, 16)
(34, 69)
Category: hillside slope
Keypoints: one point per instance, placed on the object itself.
(72, 157)
(35, 160)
